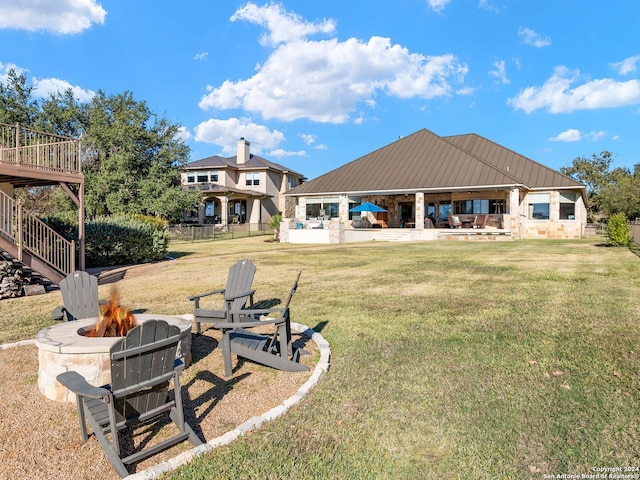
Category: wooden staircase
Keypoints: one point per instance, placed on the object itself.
(29, 158)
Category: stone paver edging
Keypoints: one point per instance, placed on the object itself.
(252, 424)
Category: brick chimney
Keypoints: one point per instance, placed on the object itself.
(243, 151)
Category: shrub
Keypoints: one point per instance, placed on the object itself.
(618, 230)
(125, 239)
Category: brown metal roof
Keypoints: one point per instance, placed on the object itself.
(255, 162)
(424, 161)
(531, 173)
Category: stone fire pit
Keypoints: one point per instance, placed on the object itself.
(62, 348)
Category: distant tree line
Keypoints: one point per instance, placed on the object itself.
(608, 191)
(132, 157)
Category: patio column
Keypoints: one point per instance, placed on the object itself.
(224, 206)
(419, 210)
(302, 209)
(343, 209)
(513, 216)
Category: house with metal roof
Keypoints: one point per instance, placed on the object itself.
(423, 180)
(242, 189)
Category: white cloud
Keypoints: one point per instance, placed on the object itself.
(324, 80)
(437, 5)
(571, 135)
(183, 134)
(575, 135)
(47, 86)
(282, 26)
(626, 66)
(61, 16)
(488, 5)
(499, 71)
(280, 153)
(557, 96)
(615, 138)
(534, 39)
(308, 138)
(320, 146)
(201, 56)
(225, 133)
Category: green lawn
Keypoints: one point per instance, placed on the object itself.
(449, 359)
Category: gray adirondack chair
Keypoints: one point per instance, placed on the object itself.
(142, 364)
(274, 350)
(235, 295)
(79, 296)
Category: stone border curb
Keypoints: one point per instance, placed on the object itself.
(253, 423)
(250, 425)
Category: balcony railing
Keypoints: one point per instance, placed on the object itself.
(23, 147)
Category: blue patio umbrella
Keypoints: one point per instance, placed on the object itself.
(367, 207)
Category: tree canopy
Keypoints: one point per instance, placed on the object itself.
(132, 157)
(608, 191)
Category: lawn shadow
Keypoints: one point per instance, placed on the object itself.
(177, 255)
(201, 346)
(320, 326)
(208, 399)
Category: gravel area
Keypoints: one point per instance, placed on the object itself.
(40, 438)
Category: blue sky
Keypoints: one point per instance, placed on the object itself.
(313, 85)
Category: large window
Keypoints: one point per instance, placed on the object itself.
(203, 177)
(478, 206)
(538, 206)
(567, 206)
(323, 207)
(252, 179)
(444, 210)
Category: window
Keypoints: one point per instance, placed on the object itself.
(191, 178)
(444, 210)
(252, 179)
(538, 206)
(323, 207)
(214, 177)
(478, 206)
(203, 177)
(567, 206)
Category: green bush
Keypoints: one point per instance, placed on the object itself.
(618, 230)
(125, 239)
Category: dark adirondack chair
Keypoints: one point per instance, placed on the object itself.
(142, 364)
(274, 350)
(79, 296)
(235, 295)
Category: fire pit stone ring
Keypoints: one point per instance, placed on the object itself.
(63, 347)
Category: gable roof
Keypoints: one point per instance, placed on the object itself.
(424, 161)
(255, 163)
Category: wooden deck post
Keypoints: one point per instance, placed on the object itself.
(19, 227)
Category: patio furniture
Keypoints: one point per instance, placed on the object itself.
(235, 295)
(454, 222)
(480, 221)
(142, 364)
(79, 296)
(273, 349)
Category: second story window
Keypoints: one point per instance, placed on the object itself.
(252, 179)
(203, 177)
(191, 178)
(214, 177)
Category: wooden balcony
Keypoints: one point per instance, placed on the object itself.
(31, 158)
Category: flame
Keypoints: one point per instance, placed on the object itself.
(115, 321)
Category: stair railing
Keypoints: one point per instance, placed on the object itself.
(31, 234)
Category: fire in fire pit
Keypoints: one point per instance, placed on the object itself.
(115, 321)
